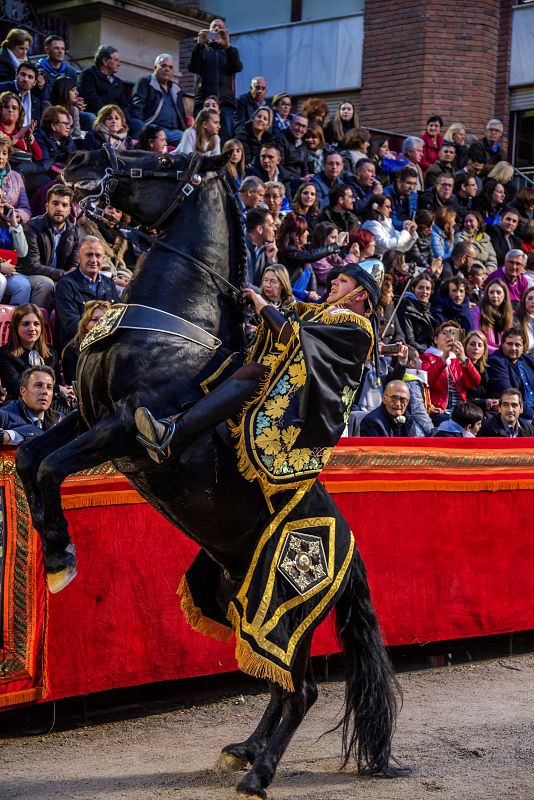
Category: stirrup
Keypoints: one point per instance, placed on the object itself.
(158, 451)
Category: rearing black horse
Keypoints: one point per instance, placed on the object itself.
(190, 201)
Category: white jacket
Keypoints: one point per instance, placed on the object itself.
(387, 238)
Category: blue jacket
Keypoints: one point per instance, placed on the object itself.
(323, 189)
(72, 292)
(14, 416)
(51, 73)
(403, 208)
(504, 374)
(379, 423)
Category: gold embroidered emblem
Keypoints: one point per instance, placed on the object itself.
(303, 562)
(105, 326)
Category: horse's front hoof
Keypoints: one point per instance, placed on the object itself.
(229, 763)
(256, 796)
(57, 581)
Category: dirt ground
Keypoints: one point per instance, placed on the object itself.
(466, 731)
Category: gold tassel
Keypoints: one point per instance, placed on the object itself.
(94, 499)
(24, 696)
(195, 618)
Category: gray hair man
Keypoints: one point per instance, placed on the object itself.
(158, 100)
(412, 150)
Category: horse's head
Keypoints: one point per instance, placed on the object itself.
(149, 186)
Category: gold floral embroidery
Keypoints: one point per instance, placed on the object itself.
(269, 440)
(276, 406)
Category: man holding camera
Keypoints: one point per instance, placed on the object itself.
(215, 63)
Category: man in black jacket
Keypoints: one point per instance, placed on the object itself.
(80, 285)
(158, 99)
(52, 246)
(24, 86)
(510, 368)
(339, 211)
(488, 149)
(249, 102)
(508, 423)
(294, 151)
(215, 63)
(99, 85)
(503, 236)
(389, 419)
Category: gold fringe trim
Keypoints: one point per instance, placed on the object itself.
(92, 500)
(254, 664)
(350, 487)
(195, 618)
(24, 696)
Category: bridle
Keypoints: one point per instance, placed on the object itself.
(187, 181)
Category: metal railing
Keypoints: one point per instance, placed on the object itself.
(525, 176)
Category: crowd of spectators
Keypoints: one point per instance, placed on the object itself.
(453, 227)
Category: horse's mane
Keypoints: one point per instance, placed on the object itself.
(239, 278)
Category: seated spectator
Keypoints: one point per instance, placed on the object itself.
(260, 243)
(202, 136)
(365, 241)
(390, 418)
(355, 146)
(524, 203)
(12, 190)
(267, 165)
(450, 372)
(475, 169)
(525, 318)
(93, 312)
(211, 103)
(444, 165)
(276, 201)
(490, 201)
(13, 242)
(364, 184)
(99, 85)
(511, 367)
(476, 350)
(421, 250)
(25, 87)
(488, 149)
(249, 102)
(466, 190)
(291, 239)
(64, 93)
(314, 141)
(83, 284)
(503, 172)
(53, 65)
(326, 233)
(494, 314)
(236, 165)
(442, 237)
(433, 141)
(12, 124)
(156, 98)
(419, 406)
(451, 303)
(251, 193)
(110, 127)
(153, 139)
(463, 256)
(256, 133)
(281, 106)
(456, 133)
(315, 110)
(57, 146)
(378, 221)
(502, 234)
(305, 203)
(415, 320)
(15, 48)
(384, 160)
(339, 211)
(403, 197)
(30, 414)
(473, 231)
(389, 329)
(465, 421)
(345, 118)
(52, 246)
(440, 195)
(413, 149)
(276, 287)
(328, 178)
(293, 148)
(215, 63)
(512, 275)
(117, 248)
(508, 421)
(475, 283)
(395, 265)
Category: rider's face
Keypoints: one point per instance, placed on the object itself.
(341, 286)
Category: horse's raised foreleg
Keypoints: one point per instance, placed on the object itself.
(294, 708)
(106, 440)
(29, 457)
(236, 756)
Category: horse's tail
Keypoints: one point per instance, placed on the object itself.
(372, 691)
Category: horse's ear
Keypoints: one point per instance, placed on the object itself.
(215, 163)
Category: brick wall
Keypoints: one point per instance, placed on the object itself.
(425, 57)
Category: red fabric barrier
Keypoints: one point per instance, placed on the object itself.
(447, 557)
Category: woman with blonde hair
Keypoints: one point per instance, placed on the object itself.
(494, 314)
(256, 132)
(93, 311)
(503, 173)
(109, 128)
(476, 350)
(456, 134)
(203, 135)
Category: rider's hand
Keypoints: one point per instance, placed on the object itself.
(255, 299)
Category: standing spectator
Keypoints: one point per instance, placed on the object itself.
(203, 135)
(339, 212)
(442, 240)
(421, 252)
(512, 275)
(53, 65)
(433, 141)
(473, 231)
(494, 315)
(488, 150)
(314, 141)
(389, 330)
(378, 222)
(403, 197)
(328, 178)
(293, 148)
(215, 63)
(417, 382)
(64, 93)
(24, 86)
(345, 118)
(100, 86)
(450, 372)
(256, 133)
(15, 48)
(156, 98)
(502, 234)
(490, 201)
(52, 246)
(251, 101)
(444, 164)
(508, 422)
(281, 106)
(110, 127)
(456, 134)
(390, 418)
(83, 284)
(413, 149)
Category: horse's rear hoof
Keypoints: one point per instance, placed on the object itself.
(244, 796)
(57, 581)
(229, 763)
